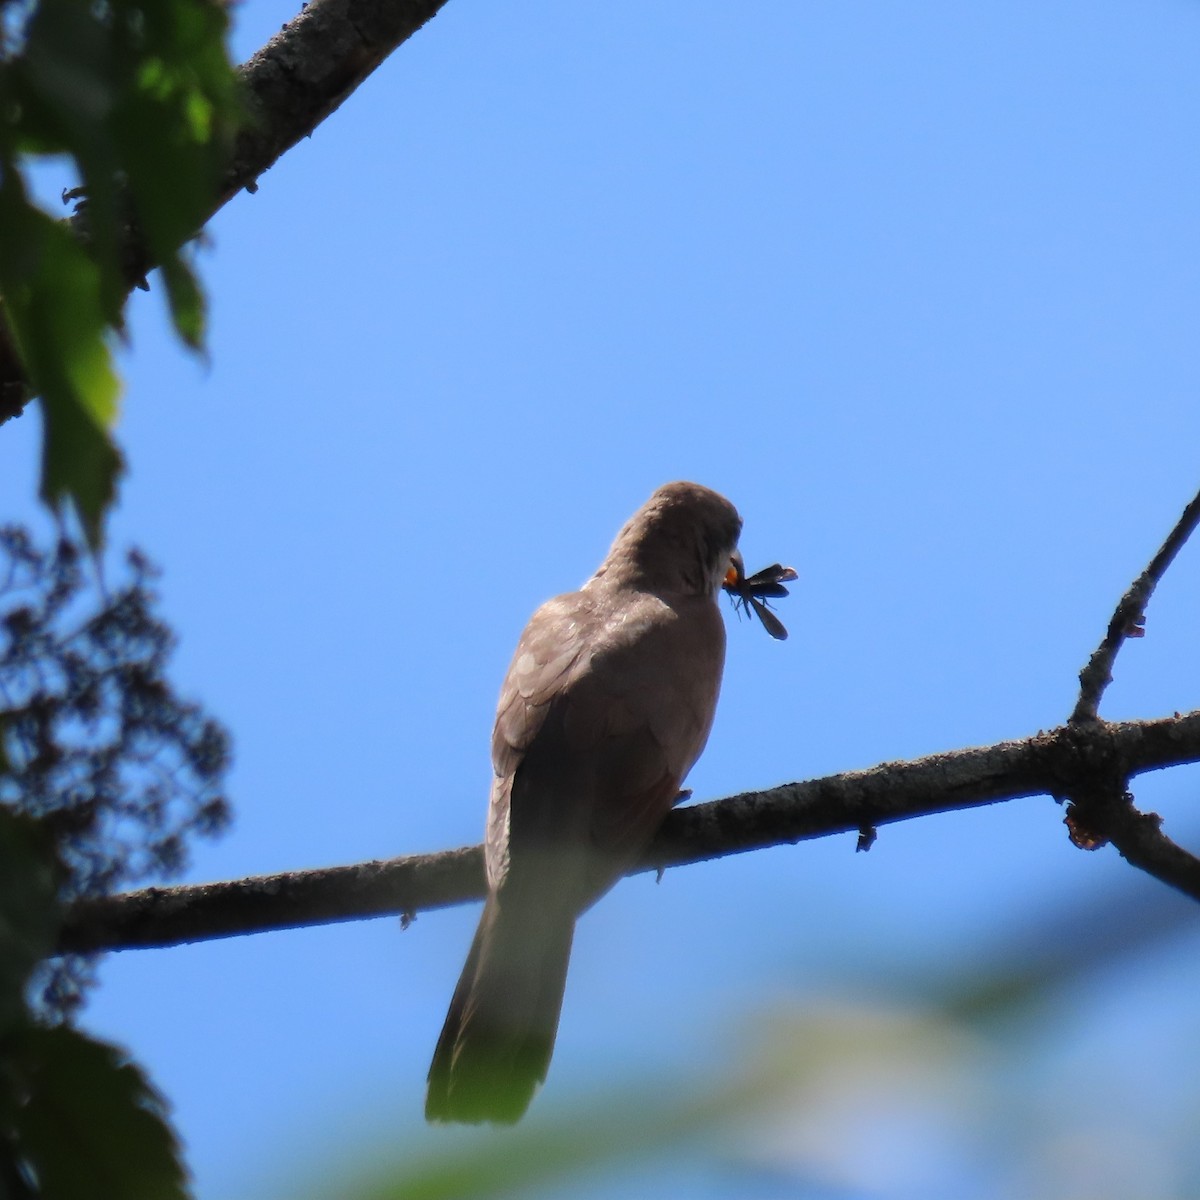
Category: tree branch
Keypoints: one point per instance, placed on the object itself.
(306, 71)
(1101, 808)
(1140, 841)
(1128, 618)
(1047, 764)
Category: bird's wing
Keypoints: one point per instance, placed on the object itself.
(555, 646)
(606, 706)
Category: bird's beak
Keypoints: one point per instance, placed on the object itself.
(735, 572)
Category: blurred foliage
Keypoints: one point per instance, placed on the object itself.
(79, 1121)
(105, 775)
(552, 1156)
(117, 769)
(975, 1082)
(28, 909)
(140, 96)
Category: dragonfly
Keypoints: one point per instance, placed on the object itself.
(752, 592)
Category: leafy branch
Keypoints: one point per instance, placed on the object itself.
(141, 96)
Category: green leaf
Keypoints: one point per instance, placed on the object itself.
(173, 129)
(188, 310)
(65, 87)
(85, 1121)
(55, 308)
(29, 915)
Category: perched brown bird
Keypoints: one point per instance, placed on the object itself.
(606, 706)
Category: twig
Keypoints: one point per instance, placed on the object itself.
(1140, 841)
(1101, 808)
(1102, 811)
(1127, 619)
(1049, 763)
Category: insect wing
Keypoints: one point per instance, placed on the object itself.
(769, 581)
(771, 623)
(772, 575)
(773, 590)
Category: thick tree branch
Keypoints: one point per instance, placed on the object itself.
(1128, 618)
(291, 85)
(306, 71)
(1048, 764)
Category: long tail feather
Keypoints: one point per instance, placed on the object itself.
(496, 1044)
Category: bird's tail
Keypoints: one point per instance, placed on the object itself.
(496, 1044)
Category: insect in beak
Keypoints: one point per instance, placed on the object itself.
(752, 592)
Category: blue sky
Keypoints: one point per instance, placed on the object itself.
(916, 287)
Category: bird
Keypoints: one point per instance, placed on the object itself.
(606, 705)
